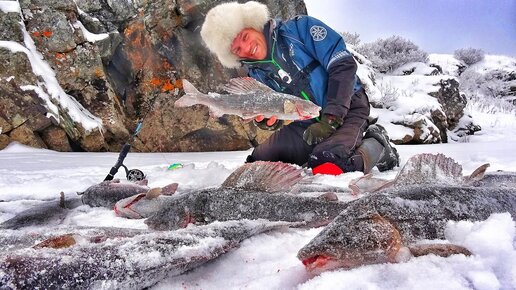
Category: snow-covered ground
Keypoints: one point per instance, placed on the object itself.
(268, 261)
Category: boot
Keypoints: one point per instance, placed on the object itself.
(390, 157)
(371, 151)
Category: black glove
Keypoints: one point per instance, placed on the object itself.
(270, 124)
(321, 130)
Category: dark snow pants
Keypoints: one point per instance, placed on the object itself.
(287, 144)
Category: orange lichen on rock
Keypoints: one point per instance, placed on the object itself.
(167, 86)
(47, 33)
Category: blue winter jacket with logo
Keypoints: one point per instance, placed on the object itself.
(309, 59)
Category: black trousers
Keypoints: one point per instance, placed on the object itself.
(287, 144)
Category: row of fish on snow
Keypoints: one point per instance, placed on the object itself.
(383, 226)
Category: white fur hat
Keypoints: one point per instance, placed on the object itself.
(224, 21)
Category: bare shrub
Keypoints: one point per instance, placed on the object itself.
(391, 53)
(469, 55)
(351, 38)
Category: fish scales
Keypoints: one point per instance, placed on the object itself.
(376, 227)
(248, 98)
(225, 204)
(135, 261)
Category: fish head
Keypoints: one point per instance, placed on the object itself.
(304, 109)
(352, 242)
(171, 217)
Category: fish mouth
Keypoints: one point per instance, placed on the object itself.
(317, 261)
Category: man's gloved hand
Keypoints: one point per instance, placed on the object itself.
(270, 124)
(321, 130)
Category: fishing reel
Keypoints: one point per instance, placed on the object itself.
(132, 175)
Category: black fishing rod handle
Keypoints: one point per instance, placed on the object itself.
(119, 162)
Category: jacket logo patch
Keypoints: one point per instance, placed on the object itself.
(318, 32)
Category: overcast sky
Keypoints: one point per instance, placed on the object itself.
(436, 26)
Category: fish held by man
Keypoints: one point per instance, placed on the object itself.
(249, 98)
(121, 258)
(384, 226)
(257, 190)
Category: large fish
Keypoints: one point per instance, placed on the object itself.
(121, 258)
(46, 213)
(384, 226)
(249, 98)
(253, 191)
(104, 194)
(107, 193)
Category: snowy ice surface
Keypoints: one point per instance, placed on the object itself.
(268, 261)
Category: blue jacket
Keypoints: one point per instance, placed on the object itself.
(308, 59)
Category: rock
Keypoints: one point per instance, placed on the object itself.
(56, 139)
(11, 28)
(4, 141)
(424, 130)
(26, 136)
(451, 100)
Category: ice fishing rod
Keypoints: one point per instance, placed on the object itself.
(132, 175)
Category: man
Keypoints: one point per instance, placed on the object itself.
(306, 58)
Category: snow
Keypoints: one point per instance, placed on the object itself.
(91, 37)
(50, 88)
(9, 6)
(30, 176)
(268, 260)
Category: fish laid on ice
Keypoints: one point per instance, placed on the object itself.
(249, 98)
(253, 191)
(107, 193)
(104, 194)
(121, 259)
(384, 226)
(424, 169)
(47, 213)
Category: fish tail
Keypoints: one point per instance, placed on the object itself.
(190, 97)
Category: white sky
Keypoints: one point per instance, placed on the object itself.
(436, 26)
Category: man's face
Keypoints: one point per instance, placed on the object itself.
(249, 44)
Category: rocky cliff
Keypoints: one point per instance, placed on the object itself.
(79, 75)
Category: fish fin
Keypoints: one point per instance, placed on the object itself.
(289, 107)
(190, 97)
(265, 176)
(245, 85)
(478, 173)
(153, 193)
(61, 200)
(429, 168)
(189, 88)
(59, 242)
(169, 189)
(368, 183)
(442, 250)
